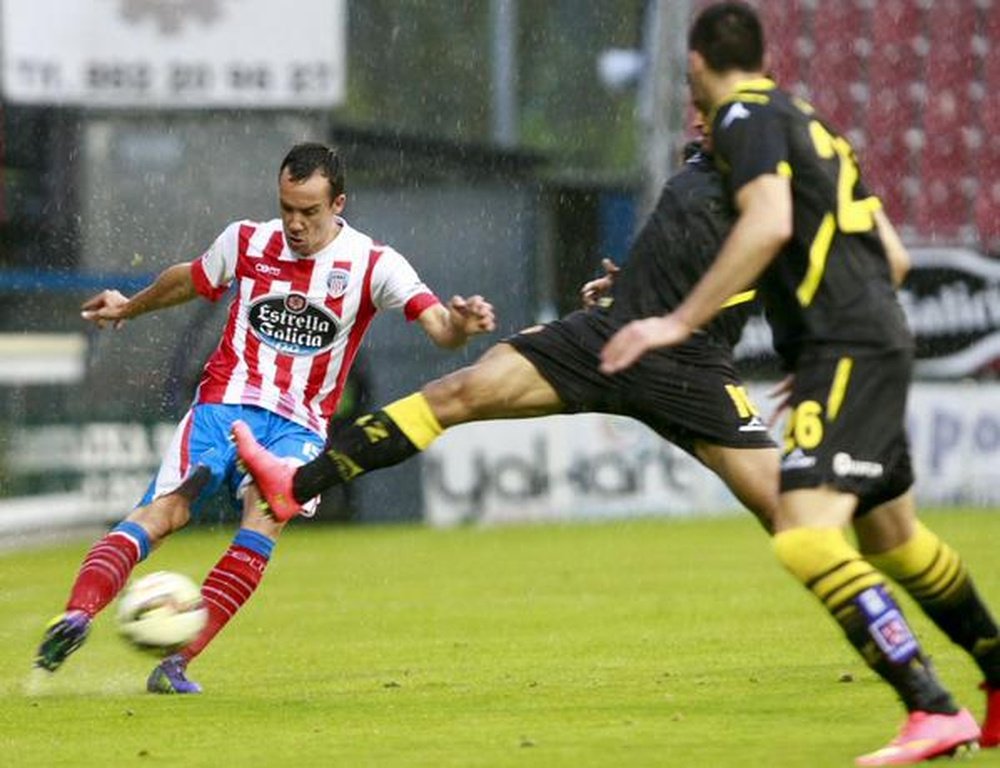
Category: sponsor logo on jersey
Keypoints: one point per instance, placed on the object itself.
(337, 280)
(845, 465)
(292, 325)
(736, 112)
(267, 269)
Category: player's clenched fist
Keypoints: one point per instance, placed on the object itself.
(474, 314)
(104, 308)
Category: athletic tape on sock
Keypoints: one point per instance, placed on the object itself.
(415, 419)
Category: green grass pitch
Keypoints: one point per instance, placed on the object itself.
(646, 643)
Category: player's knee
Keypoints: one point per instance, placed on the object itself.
(454, 398)
(162, 517)
(806, 552)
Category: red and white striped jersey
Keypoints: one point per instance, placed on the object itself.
(295, 323)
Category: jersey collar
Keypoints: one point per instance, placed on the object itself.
(754, 84)
(744, 86)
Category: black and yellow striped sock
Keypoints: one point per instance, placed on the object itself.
(936, 578)
(858, 598)
(373, 441)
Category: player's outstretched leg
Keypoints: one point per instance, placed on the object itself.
(272, 475)
(927, 735)
(104, 572)
(376, 440)
(170, 676)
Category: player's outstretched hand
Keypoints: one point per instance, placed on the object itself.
(639, 337)
(105, 308)
(596, 289)
(473, 315)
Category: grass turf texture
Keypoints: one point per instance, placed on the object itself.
(648, 643)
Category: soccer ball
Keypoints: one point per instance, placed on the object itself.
(161, 612)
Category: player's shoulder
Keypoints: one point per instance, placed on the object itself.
(752, 98)
(355, 242)
(248, 228)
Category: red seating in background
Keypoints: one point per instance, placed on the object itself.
(916, 85)
(987, 158)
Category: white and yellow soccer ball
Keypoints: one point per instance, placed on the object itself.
(161, 612)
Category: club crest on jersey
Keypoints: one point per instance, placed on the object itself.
(337, 280)
(292, 325)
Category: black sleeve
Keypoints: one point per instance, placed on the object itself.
(750, 141)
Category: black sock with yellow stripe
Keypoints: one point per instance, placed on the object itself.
(857, 596)
(936, 578)
(375, 440)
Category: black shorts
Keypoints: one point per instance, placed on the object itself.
(685, 394)
(847, 426)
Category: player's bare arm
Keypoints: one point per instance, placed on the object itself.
(763, 227)
(895, 251)
(173, 286)
(453, 325)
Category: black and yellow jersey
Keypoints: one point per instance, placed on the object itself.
(831, 283)
(675, 247)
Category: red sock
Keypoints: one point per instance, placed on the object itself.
(226, 588)
(104, 572)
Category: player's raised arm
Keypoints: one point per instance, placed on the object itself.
(895, 251)
(453, 325)
(174, 285)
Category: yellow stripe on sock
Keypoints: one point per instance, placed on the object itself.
(415, 419)
(924, 564)
(826, 564)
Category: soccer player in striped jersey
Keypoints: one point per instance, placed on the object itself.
(815, 243)
(307, 286)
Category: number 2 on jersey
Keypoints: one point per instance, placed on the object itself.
(852, 216)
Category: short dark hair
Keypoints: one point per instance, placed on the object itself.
(729, 36)
(303, 160)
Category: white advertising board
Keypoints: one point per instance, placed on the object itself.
(596, 466)
(955, 441)
(173, 53)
